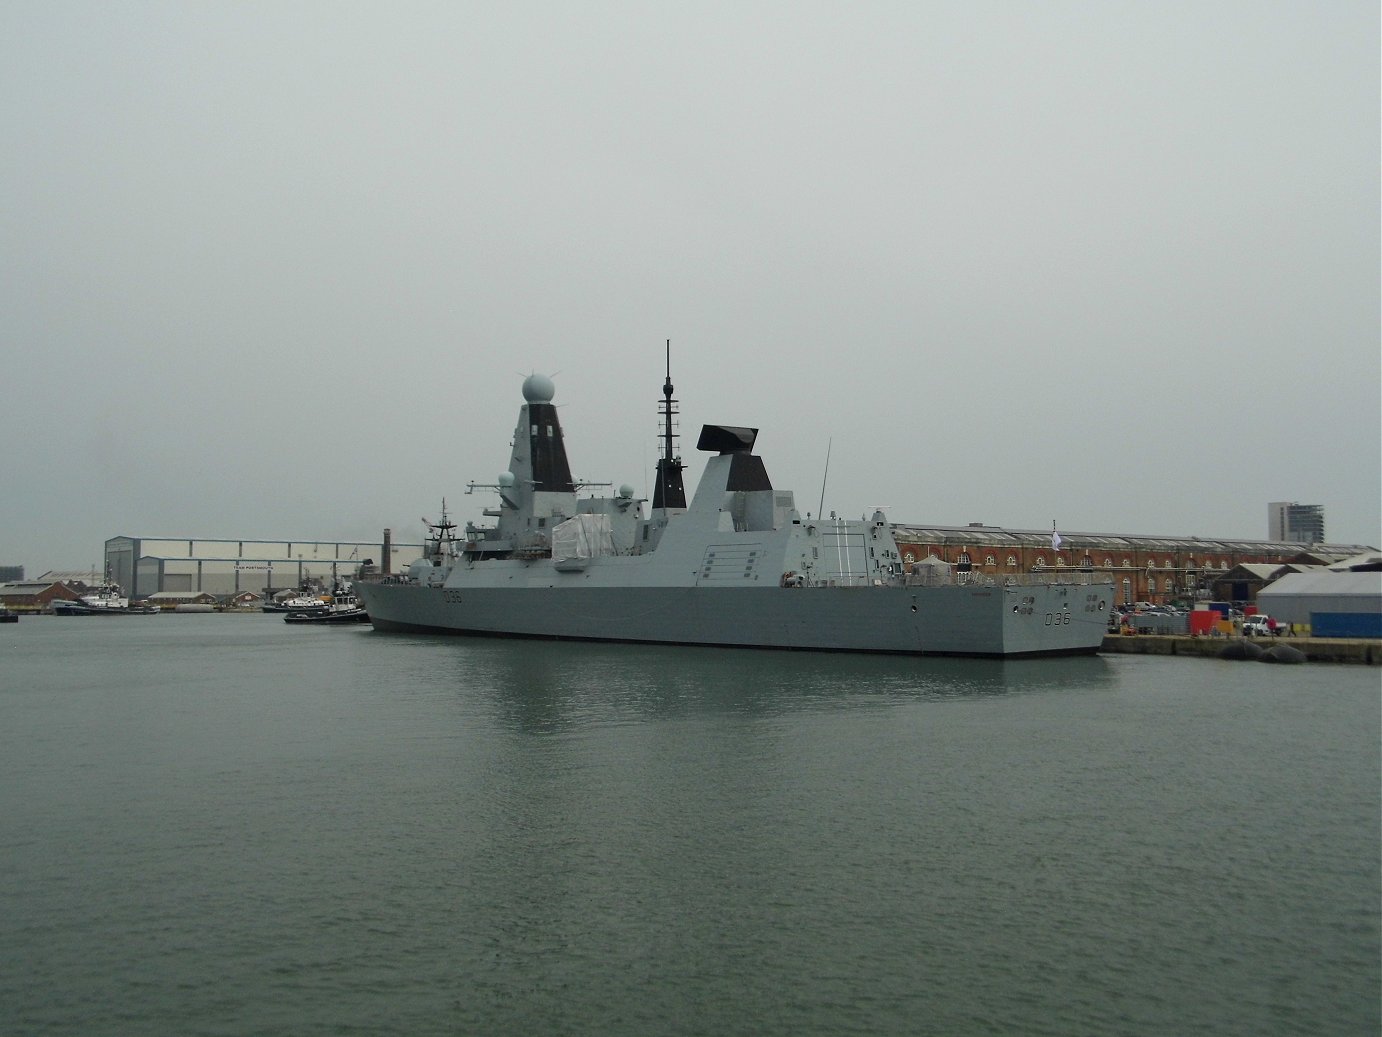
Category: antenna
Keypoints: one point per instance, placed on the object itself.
(667, 402)
(828, 444)
(669, 492)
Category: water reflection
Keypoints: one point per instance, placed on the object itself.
(544, 685)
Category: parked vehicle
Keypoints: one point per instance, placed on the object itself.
(1258, 626)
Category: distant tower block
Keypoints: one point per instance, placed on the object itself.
(1297, 523)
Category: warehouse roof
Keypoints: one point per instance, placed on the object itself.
(1326, 581)
(977, 533)
(1368, 561)
(1254, 570)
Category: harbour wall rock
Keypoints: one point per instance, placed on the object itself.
(1358, 651)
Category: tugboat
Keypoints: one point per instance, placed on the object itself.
(737, 566)
(344, 607)
(306, 601)
(105, 599)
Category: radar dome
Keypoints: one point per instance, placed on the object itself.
(505, 479)
(538, 388)
(626, 491)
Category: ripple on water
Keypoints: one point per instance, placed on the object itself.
(244, 828)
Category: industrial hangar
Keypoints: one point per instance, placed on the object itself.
(145, 566)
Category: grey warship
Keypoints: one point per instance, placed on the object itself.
(736, 566)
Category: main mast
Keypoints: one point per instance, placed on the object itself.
(669, 491)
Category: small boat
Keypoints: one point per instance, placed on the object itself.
(304, 602)
(344, 607)
(6, 616)
(105, 600)
(353, 615)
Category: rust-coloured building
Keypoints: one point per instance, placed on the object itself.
(1159, 570)
(37, 595)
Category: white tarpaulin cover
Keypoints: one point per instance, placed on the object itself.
(585, 536)
(1293, 598)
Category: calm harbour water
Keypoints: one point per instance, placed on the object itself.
(230, 825)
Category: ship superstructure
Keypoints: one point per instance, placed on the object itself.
(737, 565)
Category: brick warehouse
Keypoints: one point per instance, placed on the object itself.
(1159, 570)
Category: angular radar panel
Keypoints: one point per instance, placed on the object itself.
(727, 439)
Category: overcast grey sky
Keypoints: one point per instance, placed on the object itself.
(277, 270)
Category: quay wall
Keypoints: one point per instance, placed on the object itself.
(1360, 651)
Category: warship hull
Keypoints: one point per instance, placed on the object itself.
(954, 620)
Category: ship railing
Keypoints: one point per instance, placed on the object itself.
(794, 580)
(1044, 578)
(1057, 578)
(378, 577)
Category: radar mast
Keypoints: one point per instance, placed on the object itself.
(669, 491)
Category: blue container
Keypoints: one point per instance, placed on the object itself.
(1346, 624)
